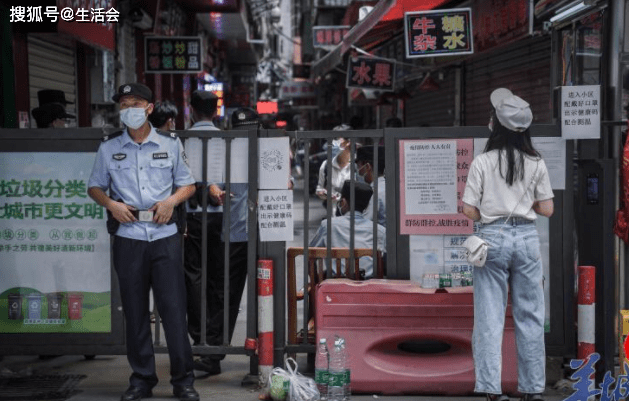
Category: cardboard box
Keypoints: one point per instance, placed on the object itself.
(623, 331)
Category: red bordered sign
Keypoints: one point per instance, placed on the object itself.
(438, 33)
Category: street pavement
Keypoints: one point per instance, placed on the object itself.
(107, 375)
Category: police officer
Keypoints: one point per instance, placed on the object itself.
(204, 105)
(146, 174)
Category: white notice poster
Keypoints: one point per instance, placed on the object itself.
(553, 151)
(216, 151)
(581, 112)
(430, 169)
(274, 166)
(275, 215)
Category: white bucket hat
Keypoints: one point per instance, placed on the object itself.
(512, 111)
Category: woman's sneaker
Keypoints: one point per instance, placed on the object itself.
(497, 397)
(533, 397)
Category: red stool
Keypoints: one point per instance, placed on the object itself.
(403, 339)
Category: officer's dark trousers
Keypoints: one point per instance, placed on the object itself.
(215, 291)
(141, 265)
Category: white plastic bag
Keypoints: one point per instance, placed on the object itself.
(289, 385)
(278, 384)
(302, 388)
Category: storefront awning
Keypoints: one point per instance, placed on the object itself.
(334, 57)
(385, 18)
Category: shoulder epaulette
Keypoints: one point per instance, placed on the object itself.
(165, 133)
(112, 136)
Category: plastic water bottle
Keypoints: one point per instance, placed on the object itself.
(322, 363)
(339, 386)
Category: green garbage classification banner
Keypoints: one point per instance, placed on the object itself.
(55, 274)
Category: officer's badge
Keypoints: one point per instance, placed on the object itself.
(126, 89)
(119, 156)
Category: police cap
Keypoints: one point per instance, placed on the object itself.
(244, 116)
(133, 89)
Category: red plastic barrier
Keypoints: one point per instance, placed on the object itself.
(390, 328)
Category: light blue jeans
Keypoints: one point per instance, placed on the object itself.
(513, 263)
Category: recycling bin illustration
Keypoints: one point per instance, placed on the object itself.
(15, 306)
(34, 302)
(54, 306)
(75, 306)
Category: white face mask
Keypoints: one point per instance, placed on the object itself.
(362, 171)
(339, 208)
(133, 117)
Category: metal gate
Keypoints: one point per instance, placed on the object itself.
(87, 140)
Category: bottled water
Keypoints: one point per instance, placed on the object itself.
(322, 363)
(339, 386)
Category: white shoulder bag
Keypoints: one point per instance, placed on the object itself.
(476, 247)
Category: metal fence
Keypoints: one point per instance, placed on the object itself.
(88, 139)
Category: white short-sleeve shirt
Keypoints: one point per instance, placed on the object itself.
(487, 190)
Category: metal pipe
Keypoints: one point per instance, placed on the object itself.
(204, 200)
(306, 229)
(226, 239)
(615, 40)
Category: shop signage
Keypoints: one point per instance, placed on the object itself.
(55, 273)
(581, 112)
(438, 33)
(433, 174)
(371, 73)
(497, 22)
(334, 3)
(296, 90)
(328, 36)
(173, 54)
(94, 28)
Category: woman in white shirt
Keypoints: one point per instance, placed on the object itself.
(509, 179)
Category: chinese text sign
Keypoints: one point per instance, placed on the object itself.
(497, 22)
(371, 73)
(438, 33)
(581, 112)
(328, 36)
(432, 180)
(55, 272)
(173, 54)
(275, 215)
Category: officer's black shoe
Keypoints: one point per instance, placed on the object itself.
(210, 366)
(134, 393)
(186, 393)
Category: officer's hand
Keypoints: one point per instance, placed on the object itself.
(163, 211)
(322, 194)
(217, 195)
(122, 212)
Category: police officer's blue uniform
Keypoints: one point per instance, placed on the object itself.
(215, 255)
(147, 254)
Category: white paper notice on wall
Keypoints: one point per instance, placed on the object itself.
(274, 167)
(581, 112)
(553, 151)
(275, 215)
